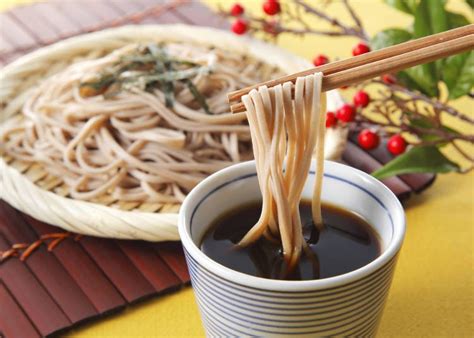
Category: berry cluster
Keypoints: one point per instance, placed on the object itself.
(241, 26)
(347, 112)
(360, 48)
(368, 139)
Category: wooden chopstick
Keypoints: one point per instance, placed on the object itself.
(383, 61)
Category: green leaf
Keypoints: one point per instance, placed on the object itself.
(423, 122)
(470, 3)
(456, 20)
(430, 18)
(408, 82)
(407, 6)
(420, 78)
(411, 78)
(389, 37)
(420, 159)
(458, 74)
(426, 123)
(425, 78)
(458, 69)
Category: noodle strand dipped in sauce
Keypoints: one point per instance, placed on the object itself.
(286, 131)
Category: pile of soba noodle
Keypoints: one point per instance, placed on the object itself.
(286, 131)
(143, 123)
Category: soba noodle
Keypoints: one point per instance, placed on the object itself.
(131, 145)
(286, 131)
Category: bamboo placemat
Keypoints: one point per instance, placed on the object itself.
(84, 278)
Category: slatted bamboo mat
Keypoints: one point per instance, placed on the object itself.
(82, 279)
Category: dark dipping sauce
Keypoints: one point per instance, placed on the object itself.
(346, 243)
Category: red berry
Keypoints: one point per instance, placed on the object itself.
(346, 113)
(331, 119)
(360, 48)
(239, 26)
(396, 144)
(389, 79)
(320, 60)
(368, 139)
(361, 99)
(237, 9)
(271, 7)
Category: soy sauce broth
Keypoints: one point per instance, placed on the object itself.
(347, 243)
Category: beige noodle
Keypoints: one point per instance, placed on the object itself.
(286, 130)
(132, 146)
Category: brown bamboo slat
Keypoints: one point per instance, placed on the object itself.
(153, 268)
(10, 57)
(118, 268)
(125, 7)
(13, 321)
(172, 253)
(31, 296)
(47, 269)
(197, 14)
(14, 33)
(37, 26)
(5, 45)
(166, 18)
(79, 13)
(143, 4)
(55, 17)
(103, 11)
(88, 275)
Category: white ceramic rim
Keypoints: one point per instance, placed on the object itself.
(281, 285)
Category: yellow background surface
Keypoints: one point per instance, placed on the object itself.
(432, 292)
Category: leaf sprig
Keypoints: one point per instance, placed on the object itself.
(430, 17)
(413, 103)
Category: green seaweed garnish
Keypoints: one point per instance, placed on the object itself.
(148, 68)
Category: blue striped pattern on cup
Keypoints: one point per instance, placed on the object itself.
(232, 309)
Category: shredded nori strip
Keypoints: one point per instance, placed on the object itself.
(156, 69)
(102, 84)
(161, 65)
(197, 95)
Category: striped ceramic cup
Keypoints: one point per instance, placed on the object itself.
(235, 304)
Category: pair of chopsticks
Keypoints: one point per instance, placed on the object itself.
(383, 61)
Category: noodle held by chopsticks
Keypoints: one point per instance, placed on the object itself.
(286, 130)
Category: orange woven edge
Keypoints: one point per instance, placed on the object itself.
(25, 250)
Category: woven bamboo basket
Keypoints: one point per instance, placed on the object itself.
(29, 188)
